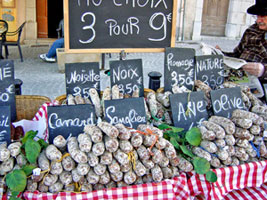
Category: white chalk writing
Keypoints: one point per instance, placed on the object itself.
(128, 120)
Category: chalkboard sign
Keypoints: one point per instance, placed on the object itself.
(5, 124)
(209, 69)
(7, 87)
(128, 75)
(80, 77)
(179, 68)
(187, 114)
(226, 100)
(65, 120)
(102, 24)
(130, 112)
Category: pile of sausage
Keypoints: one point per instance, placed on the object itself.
(229, 142)
(107, 156)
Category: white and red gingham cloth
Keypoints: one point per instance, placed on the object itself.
(238, 182)
(243, 182)
(170, 189)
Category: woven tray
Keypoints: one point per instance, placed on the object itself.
(28, 105)
(63, 97)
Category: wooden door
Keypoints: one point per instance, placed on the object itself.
(42, 14)
(214, 17)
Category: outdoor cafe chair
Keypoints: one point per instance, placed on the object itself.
(3, 31)
(14, 43)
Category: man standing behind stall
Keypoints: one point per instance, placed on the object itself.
(253, 45)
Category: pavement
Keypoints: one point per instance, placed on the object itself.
(41, 78)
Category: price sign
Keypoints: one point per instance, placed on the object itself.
(5, 124)
(130, 112)
(188, 110)
(226, 100)
(7, 87)
(210, 70)
(80, 77)
(128, 75)
(101, 24)
(179, 68)
(69, 120)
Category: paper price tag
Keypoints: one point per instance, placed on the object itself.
(36, 171)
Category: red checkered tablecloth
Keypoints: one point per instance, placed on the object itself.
(239, 179)
(170, 189)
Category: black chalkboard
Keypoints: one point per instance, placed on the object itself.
(5, 122)
(226, 100)
(128, 75)
(65, 120)
(130, 112)
(179, 68)
(196, 107)
(98, 24)
(7, 87)
(210, 69)
(80, 77)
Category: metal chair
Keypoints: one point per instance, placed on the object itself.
(60, 29)
(3, 31)
(14, 43)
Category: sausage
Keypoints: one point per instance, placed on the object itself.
(57, 187)
(52, 153)
(143, 153)
(256, 119)
(227, 124)
(92, 159)
(85, 142)
(98, 148)
(115, 92)
(95, 133)
(65, 178)
(129, 177)
(242, 133)
(114, 167)
(243, 122)
(96, 101)
(83, 169)
(149, 164)
(230, 140)
(207, 134)
(107, 128)
(126, 146)
(209, 146)
(92, 177)
(140, 169)
(201, 153)
(118, 176)
(104, 178)
(43, 162)
(217, 129)
(136, 140)
(106, 158)
(111, 144)
(157, 174)
(79, 100)
(56, 168)
(100, 169)
(124, 133)
(14, 148)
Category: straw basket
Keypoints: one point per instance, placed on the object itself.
(28, 105)
(63, 97)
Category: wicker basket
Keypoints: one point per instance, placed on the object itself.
(28, 105)
(63, 97)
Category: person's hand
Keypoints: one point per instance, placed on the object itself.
(256, 69)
